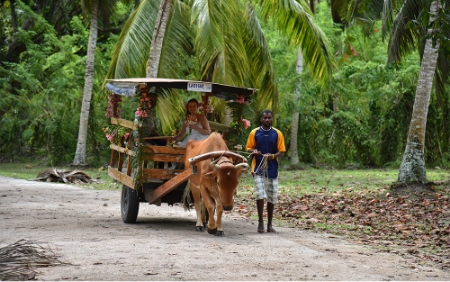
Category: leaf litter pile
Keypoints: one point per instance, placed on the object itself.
(65, 176)
(412, 220)
(18, 260)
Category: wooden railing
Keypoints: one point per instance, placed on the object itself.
(158, 157)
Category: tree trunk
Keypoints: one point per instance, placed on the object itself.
(227, 116)
(80, 154)
(312, 6)
(158, 38)
(12, 8)
(293, 149)
(413, 163)
(154, 56)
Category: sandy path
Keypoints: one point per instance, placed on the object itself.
(83, 227)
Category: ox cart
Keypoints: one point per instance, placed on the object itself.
(142, 161)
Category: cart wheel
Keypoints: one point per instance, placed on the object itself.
(129, 205)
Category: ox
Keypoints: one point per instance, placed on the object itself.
(215, 182)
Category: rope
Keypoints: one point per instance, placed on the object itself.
(264, 166)
(216, 160)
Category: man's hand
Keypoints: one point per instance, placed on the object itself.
(269, 156)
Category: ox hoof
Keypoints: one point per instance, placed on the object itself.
(199, 228)
(220, 234)
(212, 231)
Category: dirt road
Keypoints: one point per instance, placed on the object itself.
(83, 227)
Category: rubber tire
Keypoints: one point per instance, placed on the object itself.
(129, 204)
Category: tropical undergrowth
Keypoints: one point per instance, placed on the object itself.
(41, 90)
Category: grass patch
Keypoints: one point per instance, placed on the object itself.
(323, 181)
(31, 170)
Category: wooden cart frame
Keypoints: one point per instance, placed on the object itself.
(157, 183)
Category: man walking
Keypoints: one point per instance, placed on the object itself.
(266, 144)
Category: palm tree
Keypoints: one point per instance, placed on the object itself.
(80, 153)
(412, 167)
(227, 41)
(293, 148)
(93, 8)
(158, 38)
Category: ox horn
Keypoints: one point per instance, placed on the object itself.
(215, 166)
(243, 166)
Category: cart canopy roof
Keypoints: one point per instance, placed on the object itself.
(130, 86)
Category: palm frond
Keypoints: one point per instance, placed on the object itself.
(294, 20)
(365, 13)
(264, 100)
(176, 55)
(218, 43)
(342, 11)
(351, 10)
(178, 48)
(404, 35)
(168, 109)
(368, 13)
(262, 73)
(106, 8)
(442, 77)
(130, 55)
(387, 17)
(373, 9)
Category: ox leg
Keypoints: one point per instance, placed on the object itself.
(219, 220)
(198, 207)
(205, 214)
(209, 204)
(199, 224)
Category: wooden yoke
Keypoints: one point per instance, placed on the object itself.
(216, 154)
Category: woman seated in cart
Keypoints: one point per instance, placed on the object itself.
(195, 125)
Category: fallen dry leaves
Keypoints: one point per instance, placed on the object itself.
(420, 222)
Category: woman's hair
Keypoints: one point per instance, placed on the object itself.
(187, 105)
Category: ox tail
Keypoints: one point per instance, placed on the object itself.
(186, 200)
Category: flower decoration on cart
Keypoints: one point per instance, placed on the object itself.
(144, 106)
(240, 99)
(115, 133)
(113, 109)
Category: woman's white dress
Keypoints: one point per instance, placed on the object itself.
(194, 135)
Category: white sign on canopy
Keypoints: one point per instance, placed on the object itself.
(200, 87)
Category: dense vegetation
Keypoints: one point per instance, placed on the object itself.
(361, 119)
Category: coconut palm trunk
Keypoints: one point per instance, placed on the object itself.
(155, 51)
(412, 167)
(293, 149)
(80, 153)
(158, 38)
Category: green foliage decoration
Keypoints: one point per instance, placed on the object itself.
(241, 126)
